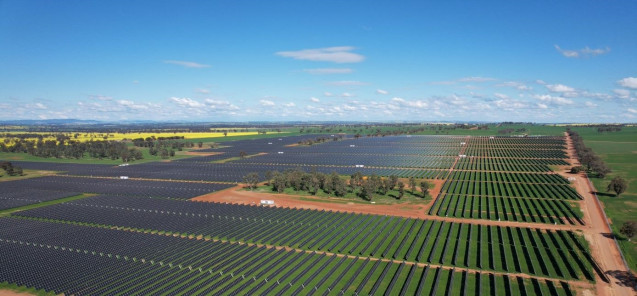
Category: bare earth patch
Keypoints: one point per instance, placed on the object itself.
(238, 196)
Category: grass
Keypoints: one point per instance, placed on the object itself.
(619, 151)
(23, 289)
(44, 204)
(352, 197)
(26, 174)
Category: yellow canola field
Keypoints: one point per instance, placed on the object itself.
(130, 136)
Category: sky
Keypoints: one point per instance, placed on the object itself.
(229, 61)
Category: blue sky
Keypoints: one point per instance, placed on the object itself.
(540, 61)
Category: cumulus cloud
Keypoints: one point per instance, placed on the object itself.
(187, 102)
(584, 52)
(132, 105)
(347, 95)
(221, 105)
(323, 71)
(290, 104)
(554, 99)
(559, 88)
(187, 64)
(622, 93)
(100, 98)
(590, 104)
(337, 54)
(415, 104)
(516, 85)
(266, 103)
(628, 82)
(315, 100)
(38, 106)
(382, 92)
(501, 96)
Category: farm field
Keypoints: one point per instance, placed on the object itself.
(504, 223)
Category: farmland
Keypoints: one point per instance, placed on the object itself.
(503, 223)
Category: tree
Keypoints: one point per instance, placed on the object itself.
(393, 181)
(412, 185)
(628, 229)
(200, 144)
(269, 175)
(424, 187)
(401, 189)
(577, 169)
(279, 183)
(242, 154)
(18, 171)
(251, 179)
(617, 184)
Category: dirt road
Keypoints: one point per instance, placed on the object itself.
(598, 235)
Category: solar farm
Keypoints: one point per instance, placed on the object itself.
(502, 221)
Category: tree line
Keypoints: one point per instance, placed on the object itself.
(74, 149)
(332, 184)
(586, 156)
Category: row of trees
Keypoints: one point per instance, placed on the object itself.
(318, 140)
(333, 184)
(10, 169)
(74, 149)
(587, 157)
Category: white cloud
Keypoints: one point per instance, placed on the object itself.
(347, 83)
(202, 91)
(622, 93)
(554, 100)
(266, 103)
(628, 82)
(347, 95)
(187, 64)
(290, 104)
(540, 81)
(187, 102)
(516, 85)
(415, 104)
(221, 105)
(131, 105)
(476, 79)
(328, 94)
(584, 52)
(632, 110)
(315, 100)
(542, 106)
(338, 54)
(382, 92)
(501, 96)
(100, 98)
(38, 106)
(323, 71)
(559, 88)
(590, 104)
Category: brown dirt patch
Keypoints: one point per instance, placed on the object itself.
(237, 196)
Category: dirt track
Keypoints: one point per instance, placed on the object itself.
(597, 233)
